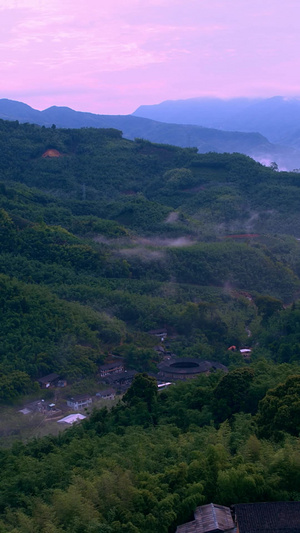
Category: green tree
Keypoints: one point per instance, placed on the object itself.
(279, 410)
(268, 306)
(231, 392)
(143, 388)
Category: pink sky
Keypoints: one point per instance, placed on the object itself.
(110, 56)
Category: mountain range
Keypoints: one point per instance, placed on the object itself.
(203, 119)
(276, 118)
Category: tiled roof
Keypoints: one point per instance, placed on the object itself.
(109, 366)
(127, 374)
(80, 398)
(269, 517)
(49, 378)
(106, 392)
(209, 518)
(190, 527)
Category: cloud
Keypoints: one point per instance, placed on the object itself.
(16, 5)
(168, 48)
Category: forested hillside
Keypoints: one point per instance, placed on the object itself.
(144, 466)
(103, 240)
(108, 238)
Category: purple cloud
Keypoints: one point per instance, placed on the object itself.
(112, 57)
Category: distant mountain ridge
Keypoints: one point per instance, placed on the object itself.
(205, 139)
(276, 118)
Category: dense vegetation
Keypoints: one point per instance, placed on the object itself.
(99, 246)
(115, 238)
(144, 466)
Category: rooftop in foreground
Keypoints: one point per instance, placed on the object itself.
(268, 517)
(210, 518)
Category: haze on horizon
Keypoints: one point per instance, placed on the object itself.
(110, 58)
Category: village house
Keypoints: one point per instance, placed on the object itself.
(80, 402)
(51, 380)
(160, 333)
(122, 380)
(111, 368)
(107, 394)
